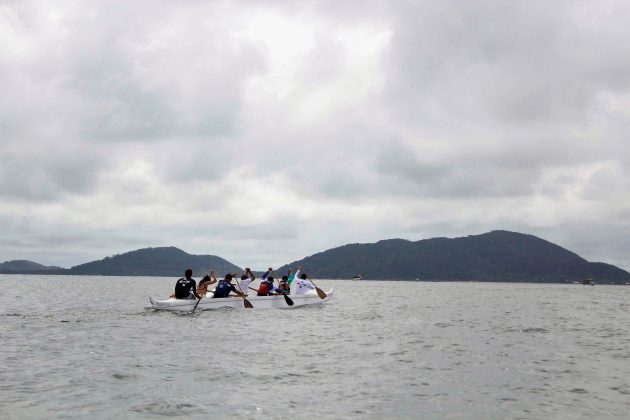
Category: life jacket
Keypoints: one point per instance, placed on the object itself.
(263, 289)
(283, 287)
(223, 289)
(183, 287)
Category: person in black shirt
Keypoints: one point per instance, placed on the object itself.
(186, 287)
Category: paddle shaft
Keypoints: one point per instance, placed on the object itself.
(319, 291)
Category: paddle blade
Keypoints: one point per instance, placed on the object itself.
(288, 300)
(320, 293)
(247, 304)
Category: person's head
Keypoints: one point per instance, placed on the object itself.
(188, 273)
(270, 278)
(285, 278)
(228, 277)
(244, 277)
(303, 276)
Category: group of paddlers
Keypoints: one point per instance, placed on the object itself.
(293, 283)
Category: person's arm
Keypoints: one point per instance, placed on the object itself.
(233, 289)
(264, 277)
(194, 289)
(250, 274)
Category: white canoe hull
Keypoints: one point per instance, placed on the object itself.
(258, 302)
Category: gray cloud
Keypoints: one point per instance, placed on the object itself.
(263, 133)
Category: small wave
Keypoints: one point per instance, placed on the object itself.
(534, 330)
(166, 408)
(123, 377)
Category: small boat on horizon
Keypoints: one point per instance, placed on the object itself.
(357, 277)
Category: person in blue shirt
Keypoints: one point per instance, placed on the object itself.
(224, 287)
(266, 286)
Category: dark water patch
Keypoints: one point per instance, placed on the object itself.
(166, 408)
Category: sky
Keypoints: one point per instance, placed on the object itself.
(267, 131)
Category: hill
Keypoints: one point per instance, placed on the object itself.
(161, 261)
(494, 256)
(25, 266)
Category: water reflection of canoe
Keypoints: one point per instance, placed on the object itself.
(258, 302)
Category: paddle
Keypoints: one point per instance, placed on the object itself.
(287, 299)
(199, 300)
(319, 291)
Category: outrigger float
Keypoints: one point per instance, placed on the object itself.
(258, 302)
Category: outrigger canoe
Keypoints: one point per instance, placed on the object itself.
(258, 302)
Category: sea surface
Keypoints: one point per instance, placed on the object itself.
(89, 347)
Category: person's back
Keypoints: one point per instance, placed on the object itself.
(283, 287)
(300, 284)
(224, 287)
(246, 279)
(186, 287)
(266, 285)
(205, 282)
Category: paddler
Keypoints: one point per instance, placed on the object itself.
(283, 288)
(186, 287)
(266, 285)
(301, 284)
(224, 287)
(246, 279)
(205, 282)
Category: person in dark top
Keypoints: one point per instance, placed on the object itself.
(224, 287)
(265, 288)
(186, 287)
(283, 287)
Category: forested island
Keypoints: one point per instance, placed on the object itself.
(493, 256)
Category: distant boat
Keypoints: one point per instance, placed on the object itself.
(357, 277)
(588, 282)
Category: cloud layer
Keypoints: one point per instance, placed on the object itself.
(264, 133)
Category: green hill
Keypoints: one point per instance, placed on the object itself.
(162, 261)
(494, 256)
(25, 266)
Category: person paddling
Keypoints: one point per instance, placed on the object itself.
(283, 288)
(266, 285)
(205, 282)
(301, 285)
(186, 287)
(245, 281)
(224, 287)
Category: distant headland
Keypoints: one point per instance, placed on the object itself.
(494, 256)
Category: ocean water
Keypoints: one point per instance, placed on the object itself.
(89, 347)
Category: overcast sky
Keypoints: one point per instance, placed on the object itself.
(267, 131)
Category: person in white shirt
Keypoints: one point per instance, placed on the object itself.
(300, 284)
(245, 281)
